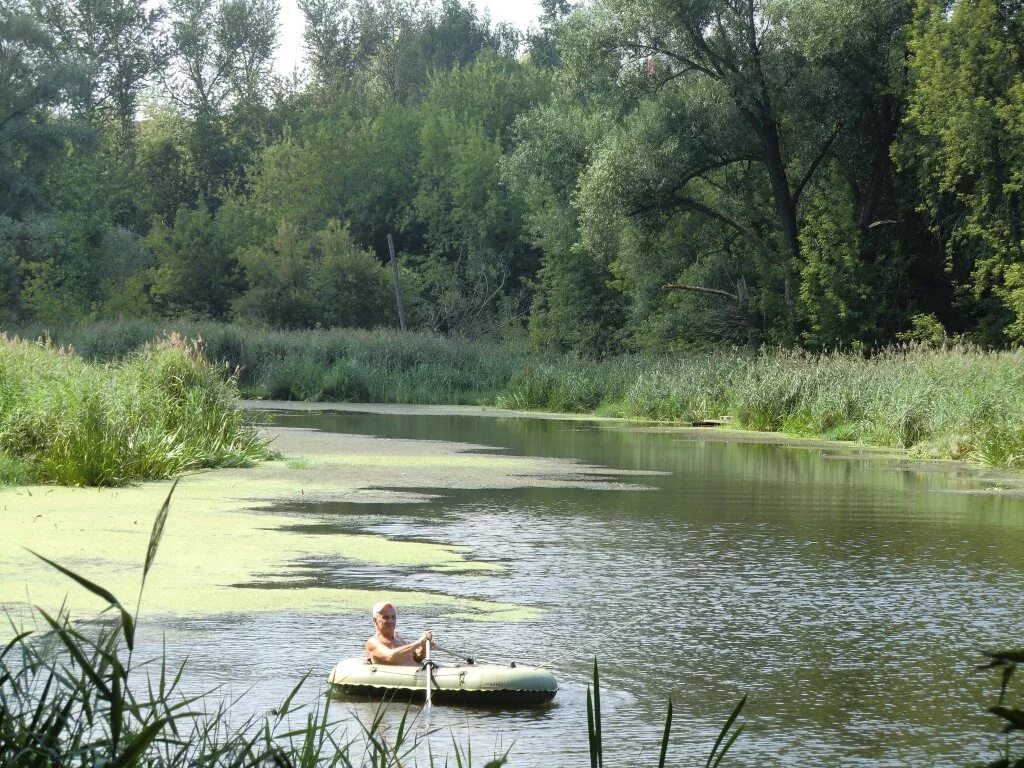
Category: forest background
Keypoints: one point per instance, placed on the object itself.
(625, 177)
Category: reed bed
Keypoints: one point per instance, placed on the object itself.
(959, 403)
(339, 365)
(160, 411)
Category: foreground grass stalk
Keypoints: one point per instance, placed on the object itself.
(720, 749)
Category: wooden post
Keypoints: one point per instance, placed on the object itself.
(394, 280)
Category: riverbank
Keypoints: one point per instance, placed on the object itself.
(960, 403)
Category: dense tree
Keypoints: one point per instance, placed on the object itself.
(476, 254)
(299, 282)
(721, 121)
(35, 79)
(196, 271)
(121, 48)
(220, 76)
(633, 175)
(543, 40)
(965, 148)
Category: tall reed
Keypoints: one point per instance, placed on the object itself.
(160, 411)
(960, 402)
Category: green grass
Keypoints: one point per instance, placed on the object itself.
(322, 365)
(160, 411)
(956, 403)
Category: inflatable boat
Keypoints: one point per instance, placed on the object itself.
(469, 683)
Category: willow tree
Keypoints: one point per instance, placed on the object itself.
(723, 119)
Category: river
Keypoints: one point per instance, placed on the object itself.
(847, 594)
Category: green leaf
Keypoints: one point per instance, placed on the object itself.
(283, 709)
(721, 735)
(597, 715)
(664, 738)
(591, 733)
(139, 744)
(1013, 716)
(128, 627)
(116, 710)
(15, 641)
(76, 654)
(729, 743)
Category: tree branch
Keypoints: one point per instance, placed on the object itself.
(746, 232)
(701, 289)
(817, 161)
(690, 64)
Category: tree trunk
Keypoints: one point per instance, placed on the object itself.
(785, 206)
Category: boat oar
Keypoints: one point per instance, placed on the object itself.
(427, 666)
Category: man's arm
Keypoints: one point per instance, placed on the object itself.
(379, 653)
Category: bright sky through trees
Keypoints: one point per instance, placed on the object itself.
(521, 13)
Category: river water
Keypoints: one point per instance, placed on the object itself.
(848, 596)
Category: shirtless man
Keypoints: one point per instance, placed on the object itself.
(386, 647)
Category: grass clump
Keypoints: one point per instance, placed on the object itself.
(955, 403)
(160, 411)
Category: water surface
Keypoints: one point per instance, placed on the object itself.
(847, 596)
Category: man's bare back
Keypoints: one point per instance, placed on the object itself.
(387, 647)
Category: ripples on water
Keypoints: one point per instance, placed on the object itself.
(847, 598)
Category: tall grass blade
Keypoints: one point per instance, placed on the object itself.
(597, 715)
(127, 624)
(458, 753)
(43, 702)
(284, 708)
(664, 738)
(96, 589)
(725, 749)
(591, 731)
(1008, 671)
(77, 655)
(116, 710)
(14, 642)
(721, 734)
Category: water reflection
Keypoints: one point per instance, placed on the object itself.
(847, 596)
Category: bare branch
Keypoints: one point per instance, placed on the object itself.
(817, 161)
(701, 289)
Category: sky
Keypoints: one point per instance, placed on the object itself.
(521, 13)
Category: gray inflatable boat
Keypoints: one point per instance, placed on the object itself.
(469, 683)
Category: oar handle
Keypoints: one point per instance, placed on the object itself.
(426, 658)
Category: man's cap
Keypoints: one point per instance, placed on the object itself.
(378, 607)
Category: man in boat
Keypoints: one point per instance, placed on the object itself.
(387, 647)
